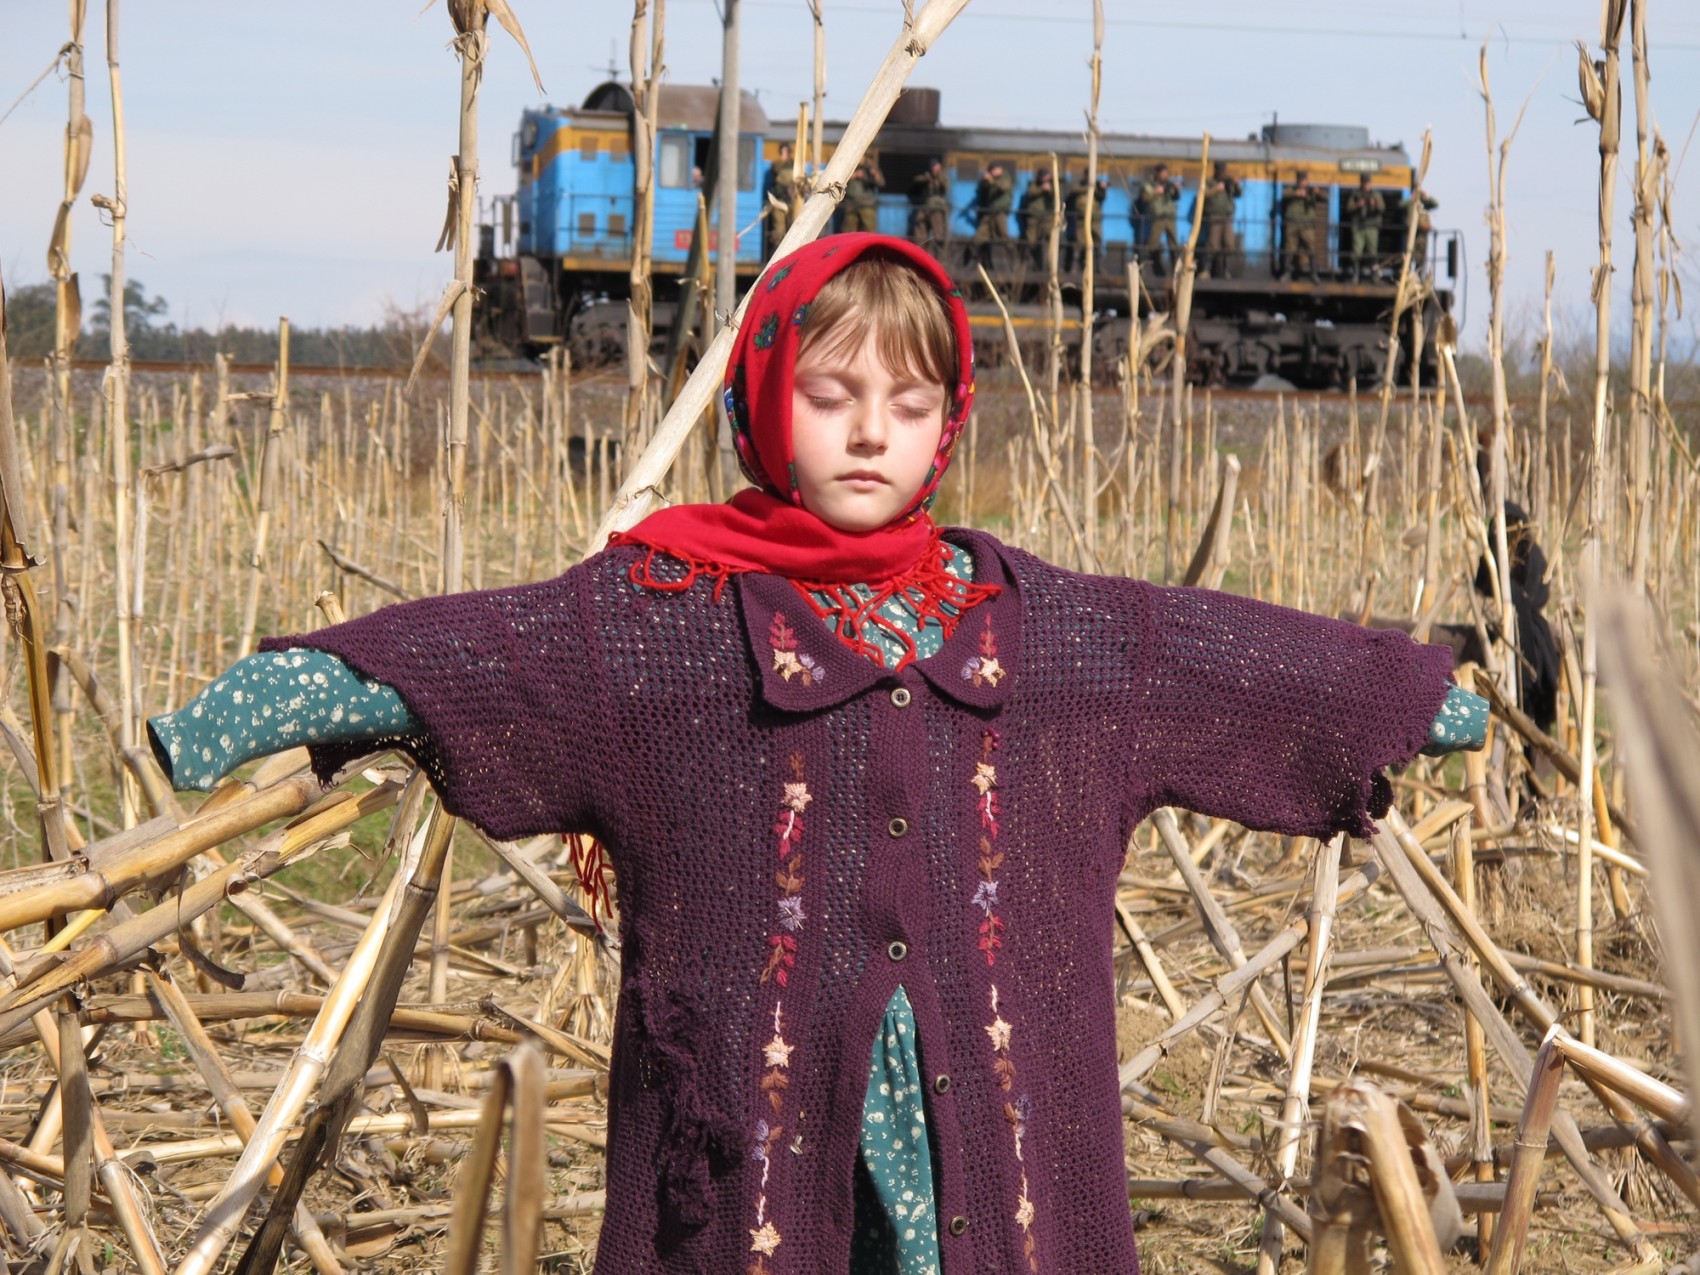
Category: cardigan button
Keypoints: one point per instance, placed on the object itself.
(898, 827)
(901, 697)
(941, 1084)
(897, 949)
(958, 1225)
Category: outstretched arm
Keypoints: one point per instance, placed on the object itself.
(1282, 720)
(266, 703)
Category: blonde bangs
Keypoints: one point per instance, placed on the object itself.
(883, 295)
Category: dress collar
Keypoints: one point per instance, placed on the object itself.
(805, 668)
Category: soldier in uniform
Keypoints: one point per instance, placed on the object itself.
(781, 194)
(1304, 222)
(1075, 202)
(1220, 201)
(992, 200)
(1363, 213)
(1159, 201)
(1038, 209)
(930, 195)
(1419, 203)
(861, 198)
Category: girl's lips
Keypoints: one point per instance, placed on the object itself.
(863, 477)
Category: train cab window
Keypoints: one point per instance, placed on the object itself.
(967, 168)
(675, 166)
(588, 146)
(746, 163)
(617, 225)
(587, 225)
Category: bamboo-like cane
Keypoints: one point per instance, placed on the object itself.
(20, 596)
(1398, 1193)
(120, 1189)
(1233, 983)
(1041, 438)
(1641, 294)
(1664, 778)
(1506, 1256)
(1475, 1047)
(1603, 99)
(1325, 882)
(270, 478)
(68, 321)
(1500, 1035)
(1653, 1145)
(638, 493)
(1220, 930)
(1407, 292)
(1086, 243)
(816, 163)
(518, 1081)
(646, 105)
(222, 1086)
(357, 1040)
(100, 888)
(224, 1213)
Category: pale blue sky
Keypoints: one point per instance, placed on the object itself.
(291, 158)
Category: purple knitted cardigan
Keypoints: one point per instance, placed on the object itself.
(796, 830)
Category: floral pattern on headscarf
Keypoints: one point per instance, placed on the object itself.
(757, 390)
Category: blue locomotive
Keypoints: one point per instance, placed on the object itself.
(555, 257)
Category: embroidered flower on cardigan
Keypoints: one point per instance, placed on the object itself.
(999, 1031)
(781, 960)
(788, 662)
(984, 669)
(764, 1240)
(991, 928)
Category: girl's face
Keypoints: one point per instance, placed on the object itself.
(862, 438)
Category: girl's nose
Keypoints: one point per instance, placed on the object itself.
(868, 427)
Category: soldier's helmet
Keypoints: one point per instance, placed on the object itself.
(1301, 177)
(1363, 180)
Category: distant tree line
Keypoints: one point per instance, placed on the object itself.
(152, 335)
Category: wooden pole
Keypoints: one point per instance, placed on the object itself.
(726, 178)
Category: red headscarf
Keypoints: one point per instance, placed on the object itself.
(765, 528)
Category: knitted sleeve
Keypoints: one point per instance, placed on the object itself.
(1277, 719)
(497, 685)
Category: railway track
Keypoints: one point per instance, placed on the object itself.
(1221, 394)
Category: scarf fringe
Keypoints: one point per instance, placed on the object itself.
(590, 865)
(926, 587)
(642, 572)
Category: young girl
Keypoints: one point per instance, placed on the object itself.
(865, 786)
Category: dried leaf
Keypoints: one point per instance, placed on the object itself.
(451, 294)
(1589, 84)
(446, 239)
(77, 155)
(503, 12)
